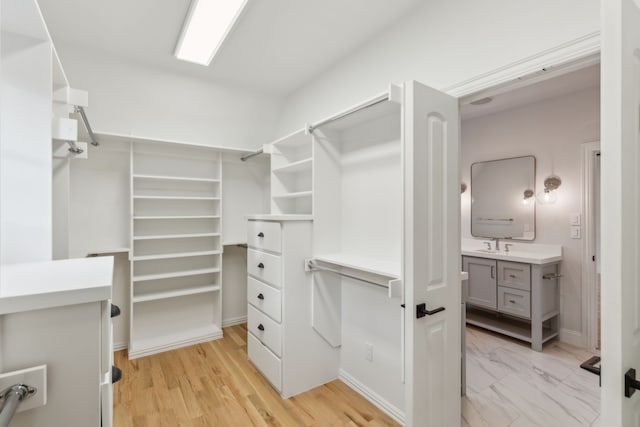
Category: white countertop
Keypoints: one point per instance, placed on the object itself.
(38, 285)
(530, 253)
(270, 217)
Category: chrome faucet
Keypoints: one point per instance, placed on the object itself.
(495, 239)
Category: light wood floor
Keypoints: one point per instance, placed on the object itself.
(213, 384)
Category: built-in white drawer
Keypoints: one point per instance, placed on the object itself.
(264, 235)
(267, 330)
(264, 266)
(267, 362)
(514, 301)
(514, 275)
(265, 298)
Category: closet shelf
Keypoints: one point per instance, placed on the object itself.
(149, 345)
(171, 275)
(177, 217)
(295, 167)
(367, 265)
(176, 198)
(177, 293)
(175, 255)
(296, 195)
(174, 178)
(175, 236)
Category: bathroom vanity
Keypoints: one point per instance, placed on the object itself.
(513, 292)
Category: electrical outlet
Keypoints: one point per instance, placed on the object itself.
(369, 352)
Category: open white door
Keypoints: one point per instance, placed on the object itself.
(431, 257)
(620, 209)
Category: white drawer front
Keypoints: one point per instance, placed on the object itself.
(264, 235)
(265, 267)
(514, 275)
(265, 329)
(265, 298)
(267, 362)
(514, 301)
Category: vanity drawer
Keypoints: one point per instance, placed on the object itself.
(265, 298)
(514, 301)
(264, 235)
(265, 329)
(514, 275)
(265, 267)
(267, 362)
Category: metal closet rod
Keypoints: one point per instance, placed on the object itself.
(248, 156)
(314, 267)
(375, 101)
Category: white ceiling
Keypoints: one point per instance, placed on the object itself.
(546, 89)
(276, 46)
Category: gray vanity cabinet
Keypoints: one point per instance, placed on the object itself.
(481, 287)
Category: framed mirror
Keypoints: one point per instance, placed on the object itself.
(503, 198)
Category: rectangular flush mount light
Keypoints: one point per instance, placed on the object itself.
(207, 25)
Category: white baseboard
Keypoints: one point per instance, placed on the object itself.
(174, 345)
(574, 338)
(117, 346)
(234, 321)
(372, 397)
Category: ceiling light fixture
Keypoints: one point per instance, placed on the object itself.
(207, 24)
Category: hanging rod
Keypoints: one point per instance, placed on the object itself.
(248, 156)
(315, 267)
(80, 110)
(371, 103)
(11, 399)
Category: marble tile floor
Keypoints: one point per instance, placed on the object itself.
(508, 384)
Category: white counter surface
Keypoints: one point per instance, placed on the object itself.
(530, 253)
(33, 286)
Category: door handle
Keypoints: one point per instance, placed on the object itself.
(260, 296)
(493, 273)
(261, 265)
(421, 311)
(261, 234)
(590, 366)
(630, 383)
(261, 327)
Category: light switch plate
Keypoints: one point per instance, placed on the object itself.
(574, 219)
(34, 377)
(575, 232)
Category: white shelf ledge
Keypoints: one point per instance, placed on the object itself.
(174, 294)
(175, 198)
(174, 178)
(171, 275)
(296, 195)
(177, 217)
(175, 255)
(295, 167)
(150, 345)
(365, 264)
(175, 236)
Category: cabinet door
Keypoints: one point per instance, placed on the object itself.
(481, 287)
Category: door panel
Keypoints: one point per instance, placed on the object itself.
(620, 179)
(431, 256)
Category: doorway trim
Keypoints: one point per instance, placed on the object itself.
(589, 275)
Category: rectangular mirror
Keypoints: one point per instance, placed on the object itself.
(503, 198)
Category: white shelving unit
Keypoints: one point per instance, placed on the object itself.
(176, 258)
(292, 174)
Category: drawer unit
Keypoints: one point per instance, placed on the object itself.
(269, 364)
(514, 275)
(265, 298)
(265, 235)
(264, 266)
(514, 301)
(268, 331)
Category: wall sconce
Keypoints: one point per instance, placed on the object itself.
(548, 196)
(463, 187)
(527, 198)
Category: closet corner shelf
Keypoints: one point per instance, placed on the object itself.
(175, 178)
(296, 195)
(168, 341)
(295, 167)
(174, 274)
(175, 236)
(368, 265)
(175, 255)
(177, 293)
(175, 198)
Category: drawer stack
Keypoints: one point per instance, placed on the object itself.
(281, 341)
(514, 289)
